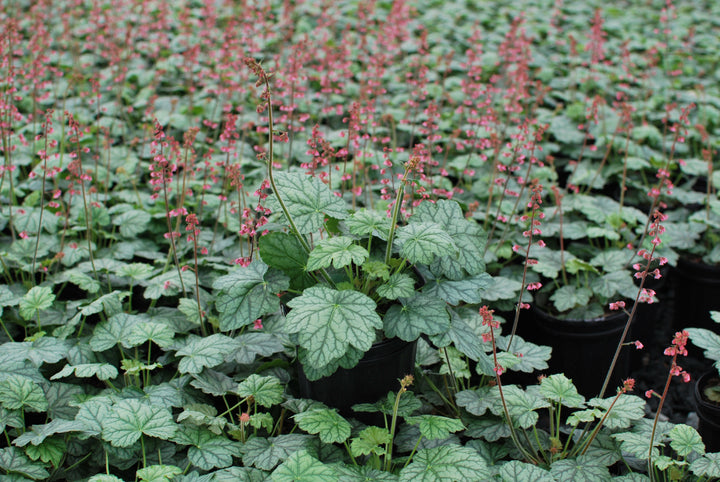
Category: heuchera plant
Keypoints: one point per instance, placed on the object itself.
(351, 277)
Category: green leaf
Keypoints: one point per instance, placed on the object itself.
(113, 332)
(706, 339)
(308, 200)
(158, 473)
(103, 371)
(515, 470)
(338, 251)
(17, 391)
(132, 222)
(254, 344)
(399, 285)
(530, 357)
(208, 450)
(408, 404)
(522, 405)
(418, 315)
(446, 463)
(435, 427)
(127, 420)
(476, 401)
(302, 467)
(468, 237)
(284, 252)
(549, 262)
(627, 409)
(686, 440)
(468, 290)
(135, 271)
(13, 460)
(559, 388)
(616, 282)
(50, 451)
(370, 440)
(42, 350)
(39, 298)
(568, 297)
(159, 333)
(501, 288)
(331, 427)
(706, 466)
(424, 242)
(582, 468)
(267, 391)
(328, 321)
(79, 279)
(266, 453)
(248, 293)
(209, 351)
(463, 336)
(365, 222)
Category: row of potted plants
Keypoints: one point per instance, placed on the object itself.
(190, 295)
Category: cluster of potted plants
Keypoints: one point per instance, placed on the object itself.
(407, 253)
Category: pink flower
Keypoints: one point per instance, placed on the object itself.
(257, 324)
(618, 305)
(244, 417)
(649, 393)
(638, 345)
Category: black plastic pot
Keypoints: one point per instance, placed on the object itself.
(708, 413)
(581, 349)
(377, 373)
(697, 286)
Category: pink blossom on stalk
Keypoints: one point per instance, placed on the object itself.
(257, 324)
(617, 305)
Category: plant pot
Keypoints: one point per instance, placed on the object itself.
(581, 349)
(696, 294)
(377, 373)
(708, 412)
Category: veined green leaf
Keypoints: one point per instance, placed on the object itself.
(103, 371)
(468, 290)
(366, 222)
(530, 357)
(706, 466)
(627, 408)
(522, 405)
(424, 242)
(132, 222)
(202, 352)
(136, 271)
(568, 297)
(308, 200)
(251, 345)
(267, 453)
(266, 390)
(247, 293)
(50, 451)
(327, 423)
(39, 298)
(17, 391)
(370, 440)
(581, 468)
(446, 463)
(417, 315)
(284, 252)
(127, 420)
(302, 467)
(435, 427)
(338, 251)
(398, 285)
(515, 470)
(13, 460)
(468, 236)
(158, 473)
(559, 388)
(208, 450)
(328, 321)
(476, 401)
(159, 333)
(114, 331)
(686, 440)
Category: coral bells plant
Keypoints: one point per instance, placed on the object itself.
(351, 277)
